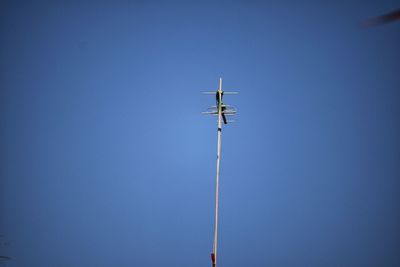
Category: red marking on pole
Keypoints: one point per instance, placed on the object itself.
(213, 259)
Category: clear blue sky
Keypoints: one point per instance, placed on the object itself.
(105, 159)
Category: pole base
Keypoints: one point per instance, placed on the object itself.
(213, 259)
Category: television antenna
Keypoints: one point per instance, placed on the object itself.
(222, 111)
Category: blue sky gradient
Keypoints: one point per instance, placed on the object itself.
(106, 160)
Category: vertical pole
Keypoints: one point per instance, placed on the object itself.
(217, 179)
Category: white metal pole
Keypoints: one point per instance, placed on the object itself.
(217, 179)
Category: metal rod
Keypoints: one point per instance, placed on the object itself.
(217, 178)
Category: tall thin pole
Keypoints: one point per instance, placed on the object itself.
(217, 179)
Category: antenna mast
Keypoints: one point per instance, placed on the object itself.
(221, 110)
(214, 253)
